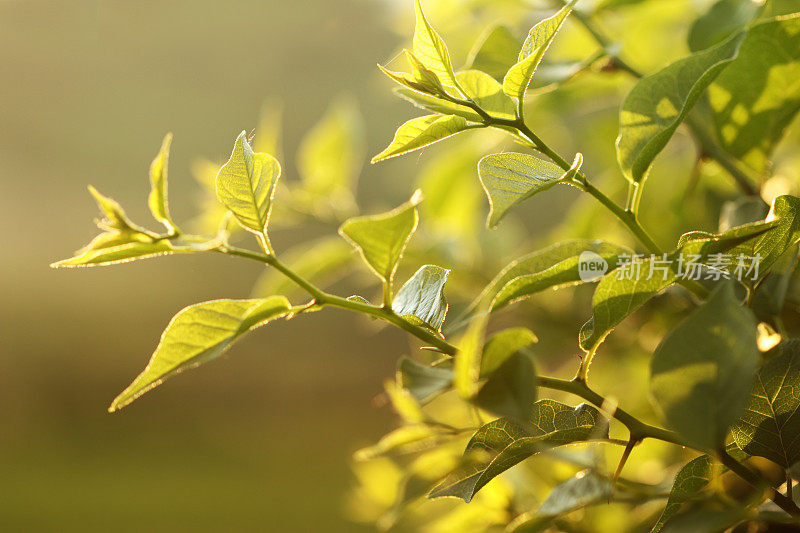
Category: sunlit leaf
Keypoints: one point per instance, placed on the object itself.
(503, 443)
(422, 131)
(510, 178)
(467, 361)
(405, 439)
(771, 424)
(246, 184)
(757, 96)
(420, 79)
(658, 103)
(381, 239)
(200, 333)
(518, 77)
(330, 157)
(431, 49)
(404, 403)
(494, 51)
(487, 93)
(157, 200)
(422, 296)
(704, 368)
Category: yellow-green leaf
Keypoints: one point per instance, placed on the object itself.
(430, 48)
(381, 239)
(518, 77)
(658, 103)
(422, 296)
(200, 333)
(246, 184)
(420, 132)
(157, 200)
(494, 51)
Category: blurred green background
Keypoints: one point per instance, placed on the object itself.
(260, 440)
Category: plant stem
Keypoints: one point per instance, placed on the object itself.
(322, 299)
(755, 480)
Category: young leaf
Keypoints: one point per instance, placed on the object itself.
(422, 296)
(431, 49)
(757, 96)
(507, 367)
(115, 217)
(771, 424)
(556, 266)
(421, 78)
(381, 239)
(510, 178)
(423, 381)
(246, 184)
(330, 157)
(704, 368)
(508, 442)
(405, 439)
(437, 105)
(658, 103)
(583, 489)
(494, 51)
(537, 42)
(119, 247)
(157, 201)
(420, 132)
(200, 333)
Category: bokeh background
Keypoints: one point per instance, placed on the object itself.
(260, 440)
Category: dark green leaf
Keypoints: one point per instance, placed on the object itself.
(658, 103)
(422, 296)
(770, 427)
(510, 178)
(703, 369)
(757, 96)
(503, 443)
(723, 19)
(510, 376)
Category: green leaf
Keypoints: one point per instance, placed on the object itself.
(422, 131)
(693, 477)
(119, 247)
(584, 489)
(757, 96)
(503, 443)
(558, 265)
(627, 288)
(723, 19)
(157, 200)
(200, 333)
(770, 247)
(381, 239)
(743, 210)
(510, 376)
(330, 157)
(431, 49)
(420, 79)
(246, 184)
(322, 261)
(510, 178)
(422, 296)
(423, 381)
(771, 424)
(494, 51)
(406, 439)
(437, 105)
(704, 368)
(516, 81)
(487, 93)
(115, 218)
(468, 359)
(658, 103)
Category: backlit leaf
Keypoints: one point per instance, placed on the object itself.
(157, 200)
(381, 239)
(246, 184)
(771, 424)
(422, 131)
(658, 103)
(431, 49)
(510, 178)
(200, 333)
(704, 368)
(422, 296)
(757, 96)
(503, 443)
(516, 81)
